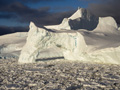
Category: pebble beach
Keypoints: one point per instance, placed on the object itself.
(58, 75)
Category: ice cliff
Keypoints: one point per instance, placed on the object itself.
(62, 44)
(82, 37)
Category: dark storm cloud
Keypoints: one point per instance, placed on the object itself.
(106, 8)
(6, 2)
(39, 16)
(25, 14)
(34, 1)
(7, 16)
(7, 30)
(19, 9)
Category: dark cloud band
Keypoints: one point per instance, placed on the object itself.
(7, 30)
(18, 10)
(39, 16)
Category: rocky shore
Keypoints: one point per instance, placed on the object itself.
(58, 75)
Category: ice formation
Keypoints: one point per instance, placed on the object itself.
(61, 44)
(72, 45)
(82, 37)
(106, 25)
(81, 19)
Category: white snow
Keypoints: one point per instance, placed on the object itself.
(11, 44)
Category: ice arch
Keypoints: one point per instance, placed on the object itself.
(64, 43)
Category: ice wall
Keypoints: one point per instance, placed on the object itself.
(39, 40)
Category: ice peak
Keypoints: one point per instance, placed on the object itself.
(77, 14)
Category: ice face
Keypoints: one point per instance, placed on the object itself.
(40, 39)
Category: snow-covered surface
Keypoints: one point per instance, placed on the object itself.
(11, 44)
(98, 43)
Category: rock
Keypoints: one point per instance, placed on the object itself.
(32, 84)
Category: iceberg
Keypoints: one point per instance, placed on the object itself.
(61, 44)
(82, 37)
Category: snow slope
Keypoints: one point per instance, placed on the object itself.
(11, 44)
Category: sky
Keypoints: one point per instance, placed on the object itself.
(15, 15)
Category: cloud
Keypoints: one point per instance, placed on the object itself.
(7, 30)
(26, 14)
(6, 2)
(7, 15)
(106, 8)
(34, 1)
(38, 18)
